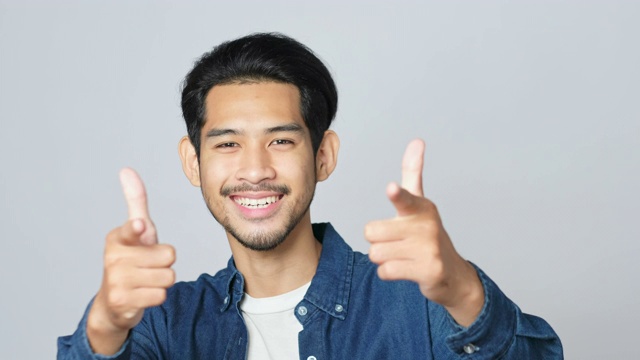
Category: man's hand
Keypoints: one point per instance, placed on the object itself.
(414, 246)
(137, 272)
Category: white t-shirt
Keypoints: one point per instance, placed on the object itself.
(272, 325)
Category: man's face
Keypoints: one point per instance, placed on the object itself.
(257, 168)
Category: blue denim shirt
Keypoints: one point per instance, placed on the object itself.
(347, 313)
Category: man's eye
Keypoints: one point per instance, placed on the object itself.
(227, 145)
(282, 142)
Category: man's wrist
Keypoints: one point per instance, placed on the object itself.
(106, 342)
(470, 298)
(104, 338)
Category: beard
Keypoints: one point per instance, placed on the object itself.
(263, 239)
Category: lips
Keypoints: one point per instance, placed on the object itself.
(257, 205)
(256, 201)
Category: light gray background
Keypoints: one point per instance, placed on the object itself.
(530, 111)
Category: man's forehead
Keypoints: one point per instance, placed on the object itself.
(256, 91)
(259, 105)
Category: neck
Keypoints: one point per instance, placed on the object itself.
(285, 268)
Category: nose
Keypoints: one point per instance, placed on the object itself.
(255, 165)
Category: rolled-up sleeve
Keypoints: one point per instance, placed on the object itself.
(76, 346)
(501, 331)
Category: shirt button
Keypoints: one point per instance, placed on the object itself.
(339, 308)
(302, 311)
(312, 358)
(470, 348)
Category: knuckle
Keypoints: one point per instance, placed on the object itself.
(168, 277)
(169, 253)
(111, 281)
(158, 297)
(374, 253)
(436, 253)
(368, 230)
(112, 235)
(382, 272)
(111, 258)
(162, 296)
(114, 279)
(386, 271)
(116, 299)
(437, 270)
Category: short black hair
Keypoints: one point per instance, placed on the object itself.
(262, 57)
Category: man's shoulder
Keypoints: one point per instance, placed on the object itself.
(361, 259)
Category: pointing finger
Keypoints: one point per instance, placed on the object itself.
(134, 193)
(412, 167)
(404, 202)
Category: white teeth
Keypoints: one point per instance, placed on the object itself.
(256, 203)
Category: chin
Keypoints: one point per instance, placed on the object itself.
(260, 241)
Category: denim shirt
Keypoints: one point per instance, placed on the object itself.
(347, 313)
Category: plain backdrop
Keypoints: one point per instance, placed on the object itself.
(530, 111)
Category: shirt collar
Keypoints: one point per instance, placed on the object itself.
(330, 286)
(235, 286)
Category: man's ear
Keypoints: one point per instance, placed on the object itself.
(327, 155)
(190, 163)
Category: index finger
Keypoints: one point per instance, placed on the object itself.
(134, 193)
(412, 162)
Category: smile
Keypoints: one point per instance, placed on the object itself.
(256, 203)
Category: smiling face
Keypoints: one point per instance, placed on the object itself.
(257, 169)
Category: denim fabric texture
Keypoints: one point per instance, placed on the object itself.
(347, 313)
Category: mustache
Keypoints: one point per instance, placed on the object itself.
(279, 188)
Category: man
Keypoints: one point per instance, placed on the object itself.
(258, 111)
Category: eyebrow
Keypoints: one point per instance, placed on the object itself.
(221, 132)
(293, 127)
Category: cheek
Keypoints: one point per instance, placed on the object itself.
(302, 174)
(213, 175)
